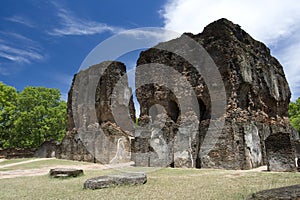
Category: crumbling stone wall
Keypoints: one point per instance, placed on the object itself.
(257, 100)
(47, 150)
(72, 148)
(256, 93)
(12, 153)
(280, 152)
(96, 138)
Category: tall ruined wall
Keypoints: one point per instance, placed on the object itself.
(84, 140)
(256, 130)
(257, 103)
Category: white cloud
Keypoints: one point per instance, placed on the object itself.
(154, 34)
(271, 21)
(289, 58)
(21, 20)
(19, 55)
(15, 58)
(20, 38)
(72, 25)
(265, 20)
(18, 48)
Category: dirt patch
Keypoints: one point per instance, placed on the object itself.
(258, 169)
(89, 166)
(23, 162)
(45, 170)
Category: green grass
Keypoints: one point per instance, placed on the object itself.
(162, 184)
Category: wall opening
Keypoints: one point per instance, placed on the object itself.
(203, 110)
(280, 154)
(173, 110)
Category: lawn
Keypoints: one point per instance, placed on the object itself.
(165, 183)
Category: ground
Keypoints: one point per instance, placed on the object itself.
(163, 183)
(41, 166)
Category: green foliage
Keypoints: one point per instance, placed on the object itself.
(30, 117)
(294, 114)
(8, 99)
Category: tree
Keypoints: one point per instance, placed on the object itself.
(37, 115)
(8, 99)
(294, 114)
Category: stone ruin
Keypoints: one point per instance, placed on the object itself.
(104, 147)
(254, 129)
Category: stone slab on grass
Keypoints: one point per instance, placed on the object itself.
(65, 172)
(290, 192)
(115, 180)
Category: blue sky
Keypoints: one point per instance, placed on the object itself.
(43, 43)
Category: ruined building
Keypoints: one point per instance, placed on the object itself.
(237, 122)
